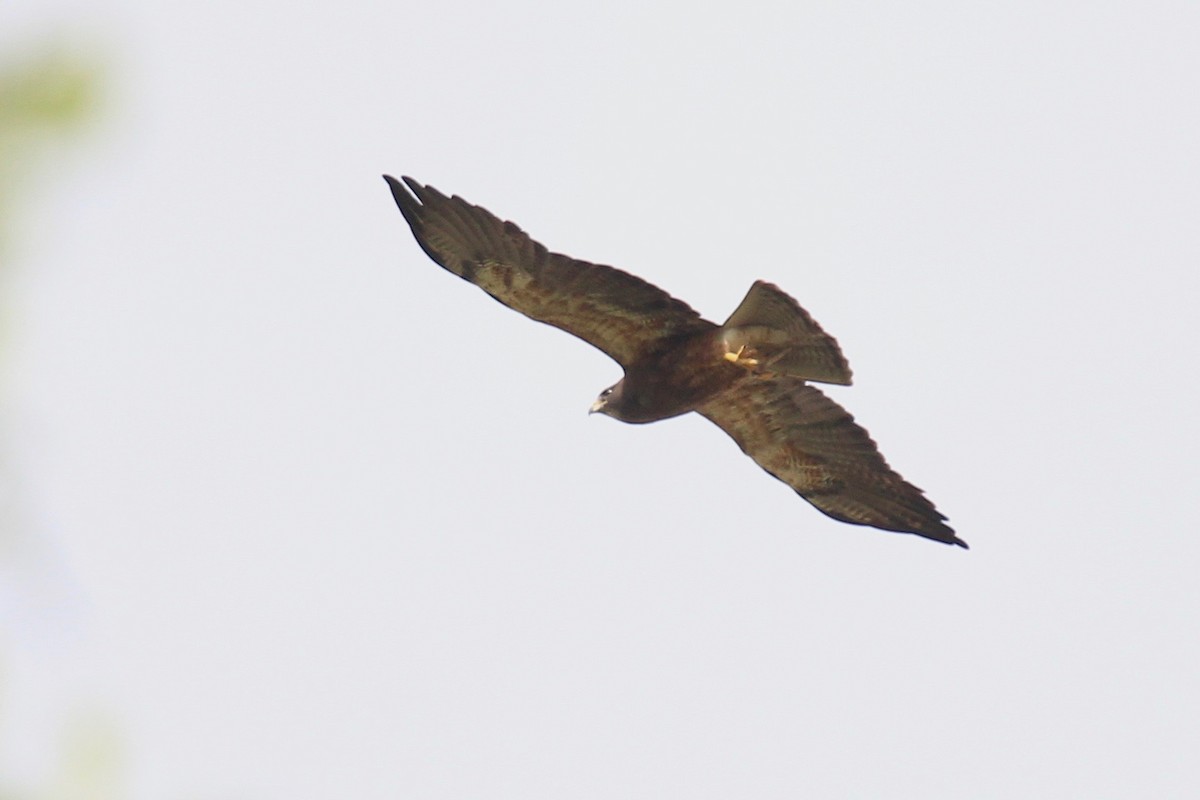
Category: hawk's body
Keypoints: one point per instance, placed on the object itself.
(749, 376)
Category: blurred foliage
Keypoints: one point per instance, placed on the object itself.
(52, 90)
(91, 759)
(42, 98)
(89, 763)
(50, 93)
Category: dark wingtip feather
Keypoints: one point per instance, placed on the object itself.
(941, 532)
(950, 537)
(409, 204)
(399, 193)
(945, 534)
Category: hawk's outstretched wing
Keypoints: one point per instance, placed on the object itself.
(813, 445)
(610, 309)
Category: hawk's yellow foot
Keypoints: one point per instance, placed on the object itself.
(736, 358)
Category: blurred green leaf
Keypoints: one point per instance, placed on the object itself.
(51, 91)
(44, 97)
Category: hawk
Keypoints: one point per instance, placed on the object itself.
(750, 376)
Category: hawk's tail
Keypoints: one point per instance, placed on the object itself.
(783, 337)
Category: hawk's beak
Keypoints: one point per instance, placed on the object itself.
(596, 406)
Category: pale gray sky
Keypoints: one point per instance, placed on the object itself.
(307, 516)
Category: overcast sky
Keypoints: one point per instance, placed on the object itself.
(304, 515)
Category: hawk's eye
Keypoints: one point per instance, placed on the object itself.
(606, 393)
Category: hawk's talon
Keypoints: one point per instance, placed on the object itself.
(736, 358)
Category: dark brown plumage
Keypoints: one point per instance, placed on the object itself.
(748, 376)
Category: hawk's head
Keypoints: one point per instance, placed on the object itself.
(609, 401)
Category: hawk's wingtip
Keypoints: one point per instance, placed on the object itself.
(404, 199)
